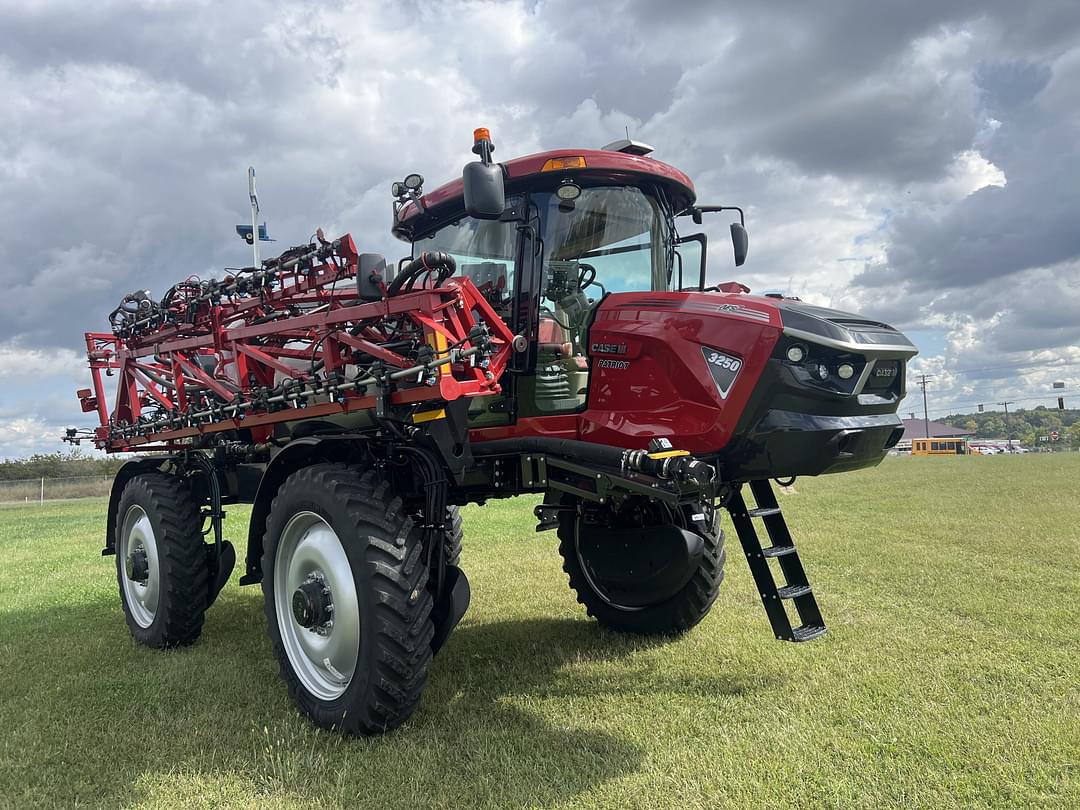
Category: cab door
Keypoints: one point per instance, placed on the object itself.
(488, 252)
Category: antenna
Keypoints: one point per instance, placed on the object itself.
(254, 216)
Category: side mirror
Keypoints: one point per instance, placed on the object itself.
(484, 194)
(740, 241)
(370, 276)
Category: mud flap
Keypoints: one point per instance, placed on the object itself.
(451, 607)
(220, 569)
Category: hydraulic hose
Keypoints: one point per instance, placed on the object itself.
(678, 467)
(427, 262)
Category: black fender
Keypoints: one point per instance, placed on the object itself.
(127, 471)
(295, 455)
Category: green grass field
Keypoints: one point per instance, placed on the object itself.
(949, 676)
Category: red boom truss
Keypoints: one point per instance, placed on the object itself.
(290, 341)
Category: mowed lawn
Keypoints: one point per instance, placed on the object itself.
(950, 675)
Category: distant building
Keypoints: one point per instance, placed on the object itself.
(916, 429)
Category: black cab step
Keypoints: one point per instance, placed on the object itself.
(764, 511)
(793, 591)
(808, 632)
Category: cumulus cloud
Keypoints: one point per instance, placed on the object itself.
(21, 364)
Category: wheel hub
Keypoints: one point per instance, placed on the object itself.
(137, 554)
(137, 565)
(316, 605)
(312, 605)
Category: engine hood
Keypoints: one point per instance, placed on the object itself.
(841, 330)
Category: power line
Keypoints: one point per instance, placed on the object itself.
(1024, 364)
(957, 406)
(922, 380)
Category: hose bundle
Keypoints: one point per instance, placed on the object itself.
(437, 262)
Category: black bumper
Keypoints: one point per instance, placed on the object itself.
(787, 443)
(791, 428)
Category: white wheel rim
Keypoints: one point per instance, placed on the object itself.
(141, 597)
(323, 658)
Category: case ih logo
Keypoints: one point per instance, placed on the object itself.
(746, 312)
(609, 348)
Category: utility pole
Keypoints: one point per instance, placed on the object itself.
(1008, 432)
(926, 418)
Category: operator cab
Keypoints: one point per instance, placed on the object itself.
(573, 227)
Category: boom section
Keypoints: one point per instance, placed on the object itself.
(301, 338)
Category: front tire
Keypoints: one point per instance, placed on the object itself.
(347, 605)
(675, 614)
(161, 561)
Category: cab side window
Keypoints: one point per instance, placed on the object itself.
(484, 252)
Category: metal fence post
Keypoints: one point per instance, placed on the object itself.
(41, 501)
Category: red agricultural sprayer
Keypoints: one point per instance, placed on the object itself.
(551, 332)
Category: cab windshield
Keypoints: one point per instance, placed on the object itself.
(619, 234)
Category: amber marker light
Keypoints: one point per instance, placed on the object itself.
(558, 163)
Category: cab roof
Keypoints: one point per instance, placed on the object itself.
(600, 164)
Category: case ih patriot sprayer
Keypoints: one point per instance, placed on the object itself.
(551, 334)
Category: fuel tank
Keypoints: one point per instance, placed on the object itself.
(765, 387)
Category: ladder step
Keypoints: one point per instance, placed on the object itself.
(764, 511)
(793, 591)
(778, 551)
(808, 632)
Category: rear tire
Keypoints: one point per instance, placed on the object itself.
(453, 535)
(674, 615)
(161, 559)
(342, 539)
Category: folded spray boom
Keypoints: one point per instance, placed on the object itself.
(302, 336)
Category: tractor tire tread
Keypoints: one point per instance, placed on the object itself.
(675, 615)
(184, 572)
(398, 620)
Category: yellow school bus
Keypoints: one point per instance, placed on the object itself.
(939, 447)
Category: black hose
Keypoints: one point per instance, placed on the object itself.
(427, 262)
(602, 454)
(681, 467)
(431, 472)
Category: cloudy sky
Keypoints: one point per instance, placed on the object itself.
(918, 161)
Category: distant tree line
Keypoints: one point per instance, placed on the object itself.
(1025, 425)
(57, 465)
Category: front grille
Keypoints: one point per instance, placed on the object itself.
(883, 375)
